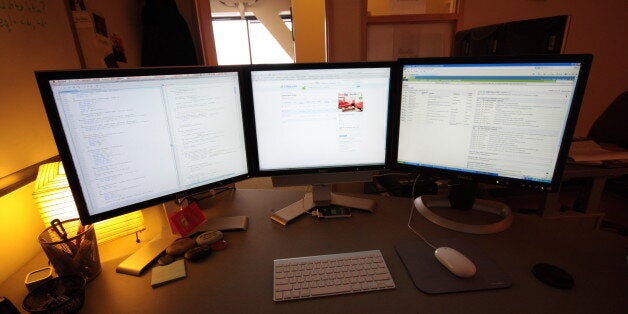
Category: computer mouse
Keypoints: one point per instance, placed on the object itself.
(455, 262)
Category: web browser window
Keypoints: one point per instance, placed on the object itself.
(317, 118)
(495, 119)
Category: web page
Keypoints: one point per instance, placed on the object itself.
(136, 138)
(321, 118)
(489, 119)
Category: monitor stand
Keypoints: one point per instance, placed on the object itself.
(321, 195)
(138, 261)
(462, 197)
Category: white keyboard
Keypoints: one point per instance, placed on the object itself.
(324, 275)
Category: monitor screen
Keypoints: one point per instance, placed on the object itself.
(321, 117)
(502, 120)
(133, 138)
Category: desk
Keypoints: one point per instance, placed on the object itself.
(596, 176)
(239, 279)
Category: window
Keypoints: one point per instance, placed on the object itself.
(247, 41)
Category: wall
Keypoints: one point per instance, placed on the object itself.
(597, 27)
(34, 35)
(122, 18)
(32, 38)
(385, 7)
(346, 25)
(20, 225)
(308, 24)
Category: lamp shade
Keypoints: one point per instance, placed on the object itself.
(54, 200)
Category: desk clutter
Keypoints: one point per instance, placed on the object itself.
(71, 248)
(171, 264)
(194, 287)
(194, 249)
(64, 294)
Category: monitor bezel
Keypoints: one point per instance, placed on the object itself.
(585, 61)
(44, 77)
(313, 66)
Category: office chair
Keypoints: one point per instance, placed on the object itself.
(610, 127)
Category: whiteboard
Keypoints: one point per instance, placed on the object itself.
(34, 35)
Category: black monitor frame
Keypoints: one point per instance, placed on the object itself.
(43, 79)
(585, 61)
(314, 66)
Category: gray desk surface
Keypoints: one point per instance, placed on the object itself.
(239, 279)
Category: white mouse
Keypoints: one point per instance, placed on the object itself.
(455, 262)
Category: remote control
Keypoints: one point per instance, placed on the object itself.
(198, 253)
(209, 237)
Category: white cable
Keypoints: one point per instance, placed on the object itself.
(412, 208)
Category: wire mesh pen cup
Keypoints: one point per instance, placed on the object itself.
(71, 248)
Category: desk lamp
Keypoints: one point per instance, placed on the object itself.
(54, 200)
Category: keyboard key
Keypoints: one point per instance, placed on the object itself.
(286, 287)
(281, 281)
(330, 290)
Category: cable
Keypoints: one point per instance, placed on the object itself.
(412, 212)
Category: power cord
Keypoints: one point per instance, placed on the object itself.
(412, 208)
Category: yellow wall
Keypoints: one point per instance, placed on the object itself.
(20, 225)
(346, 27)
(308, 23)
(383, 7)
(25, 136)
(378, 7)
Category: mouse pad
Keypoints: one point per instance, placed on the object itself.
(430, 276)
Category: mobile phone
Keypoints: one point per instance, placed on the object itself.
(333, 212)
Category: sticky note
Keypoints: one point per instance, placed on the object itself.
(162, 275)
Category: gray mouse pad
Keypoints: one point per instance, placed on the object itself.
(430, 276)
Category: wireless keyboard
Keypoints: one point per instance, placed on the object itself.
(325, 275)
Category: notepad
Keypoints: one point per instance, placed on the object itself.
(162, 275)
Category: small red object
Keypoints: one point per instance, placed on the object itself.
(219, 245)
(185, 220)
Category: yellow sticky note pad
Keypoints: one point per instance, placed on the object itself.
(162, 275)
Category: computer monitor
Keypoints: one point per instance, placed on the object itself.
(527, 37)
(320, 124)
(133, 138)
(497, 120)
